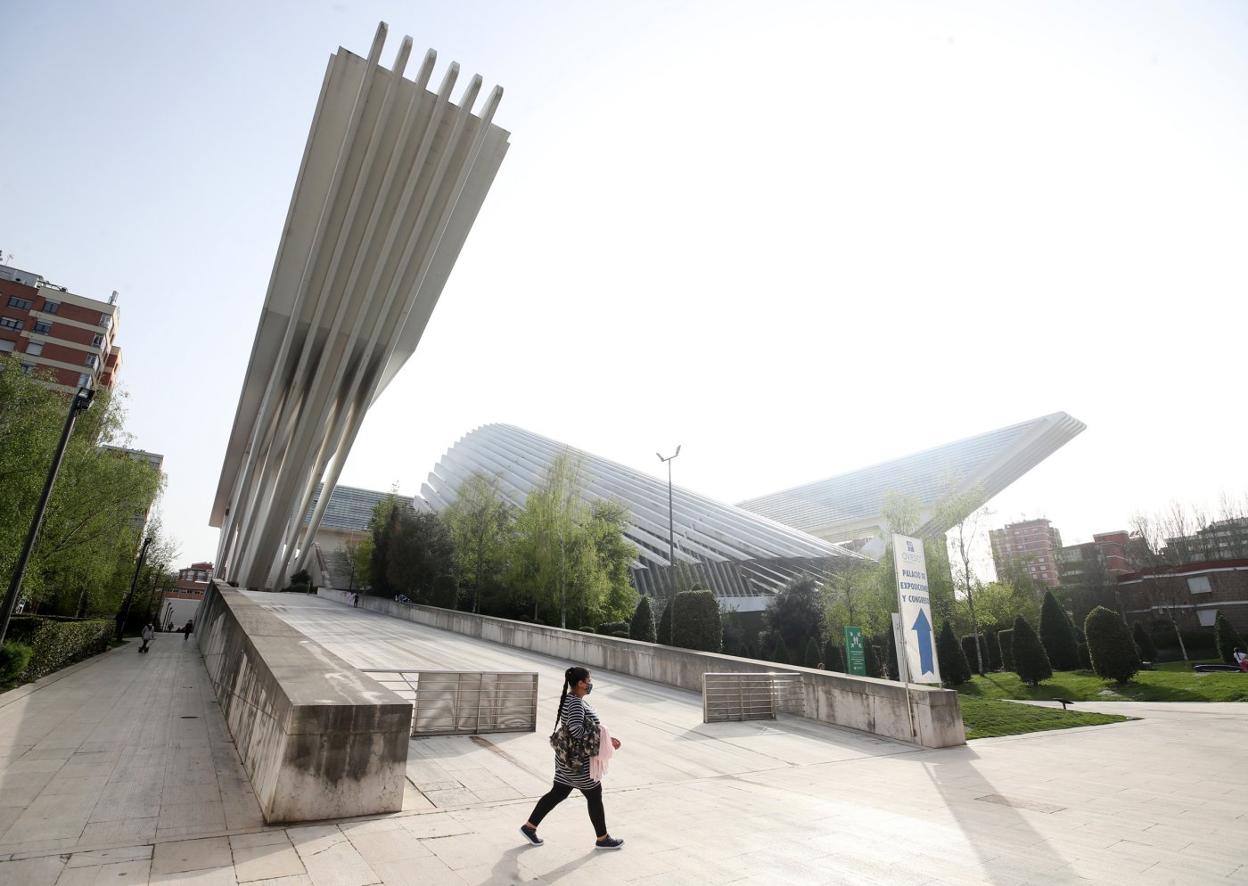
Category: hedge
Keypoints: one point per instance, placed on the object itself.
(832, 657)
(696, 621)
(55, 644)
(642, 625)
(14, 659)
(664, 630)
(994, 650)
(609, 628)
(1109, 642)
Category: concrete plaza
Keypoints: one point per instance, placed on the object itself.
(120, 770)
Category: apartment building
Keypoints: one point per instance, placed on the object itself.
(1031, 545)
(54, 330)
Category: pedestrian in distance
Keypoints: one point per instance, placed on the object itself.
(187, 630)
(148, 633)
(1241, 659)
(355, 600)
(582, 746)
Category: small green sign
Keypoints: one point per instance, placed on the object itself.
(855, 654)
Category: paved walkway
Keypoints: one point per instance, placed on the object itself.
(103, 780)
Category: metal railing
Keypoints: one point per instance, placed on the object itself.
(464, 702)
(756, 696)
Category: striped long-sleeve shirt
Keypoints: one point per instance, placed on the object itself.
(580, 719)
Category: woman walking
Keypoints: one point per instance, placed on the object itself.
(580, 722)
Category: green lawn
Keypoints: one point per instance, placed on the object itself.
(986, 717)
(1172, 682)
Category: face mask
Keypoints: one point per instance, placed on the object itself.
(589, 687)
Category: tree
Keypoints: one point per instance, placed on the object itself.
(696, 622)
(796, 613)
(614, 555)
(1109, 644)
(1143, 642)
(871, 660)
(419, 551)
(812, 658)
(779, 651)
(1031, 662)
(1058, 635)
(960, 511)
(1005, 639)
(832, 657)
(1226, 638)
(994, 650)
(382, 527)
(968, 649)
(642, 625)
(954, 668)
(480, 521)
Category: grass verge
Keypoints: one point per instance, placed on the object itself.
(986, 717)
(1160, 685)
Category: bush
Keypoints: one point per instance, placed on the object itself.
(954, 668)
(779, 651)
(1005, 640)
(871, 658)
(1227, 640)
(1058, 635)
(811, 659)
(55, 644)
(642, 625)
(1031, 662)
(1109, 644)
(1143, 643)
(696, 622)
(609, 628)
(623, 634)
(1085, 657)
(968, 649)
(665, 625)
(14, 659)
(994, 650)
(587, 629)
(832, 657)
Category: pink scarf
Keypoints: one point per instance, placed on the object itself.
(598, 764)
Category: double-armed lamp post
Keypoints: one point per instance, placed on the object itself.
(79, 404)
(671, 523)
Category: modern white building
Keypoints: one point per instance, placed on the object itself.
(391, 181)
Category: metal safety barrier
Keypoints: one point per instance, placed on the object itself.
(757, 696)
(464, 702)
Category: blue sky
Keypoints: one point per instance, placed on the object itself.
(753, 229)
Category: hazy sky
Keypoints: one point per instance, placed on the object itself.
(748, 228)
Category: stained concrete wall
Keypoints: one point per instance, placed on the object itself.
(318, 738)
(865, 703)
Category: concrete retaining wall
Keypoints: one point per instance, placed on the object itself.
(865, 703)
(318, 738)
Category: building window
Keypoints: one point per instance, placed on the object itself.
(34, 349)
(42, 328)
(27, 368)
(1207, 617)
(1199, 584)
(97, 341)
(92, 360)
(51, 307)
(10, 323)
(83, 380)
(105, 319)
(6, 346)
(20, 303)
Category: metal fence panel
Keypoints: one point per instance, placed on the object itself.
(754, 696)
(465, 702)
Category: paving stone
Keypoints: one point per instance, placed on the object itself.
(191, 855)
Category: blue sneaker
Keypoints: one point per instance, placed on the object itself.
(530, 834)
(609, 843)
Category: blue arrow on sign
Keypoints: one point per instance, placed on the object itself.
(923, 628)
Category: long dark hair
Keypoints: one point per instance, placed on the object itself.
(571, 677)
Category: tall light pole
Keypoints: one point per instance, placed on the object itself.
(671, 523)
(80, 403)
(125, 605)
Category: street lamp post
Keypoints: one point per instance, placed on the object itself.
(671, 523)
(80, 403)
(125, 606)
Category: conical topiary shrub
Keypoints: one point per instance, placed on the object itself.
(642, 625)
(994, 650)
(954, 668)
(1226, 637)
(1005, 639)
(664, 631)
(697, 622)
(894, 672)
(871, 658)
(811, 659)
(1109, 644)
(1031, 662)
(832, 657)
(1058, 635)
(1143, 643)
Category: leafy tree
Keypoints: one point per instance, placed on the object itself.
(696, 622)
(382, 527)
(797, 613)
(998, 603)
(968, 649)
(1226, 637)
(445, 592)
(1031, 662)
(1005, 639)
(1110, 646)
(642, 625)
(811, 659)
(614, 555)
(1143, 642)
(419, 550)
(1058, 635)
(954, 668)
(480, 521)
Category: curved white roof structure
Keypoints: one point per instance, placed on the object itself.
(391, 181)
(849, 507)
(741, 556)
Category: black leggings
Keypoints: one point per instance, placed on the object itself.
(559, 792)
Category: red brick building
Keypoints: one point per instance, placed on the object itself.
(1193, 592)
(1032, 545)
(181, 603)
(54, 330)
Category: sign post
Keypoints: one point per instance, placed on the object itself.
(916, 648)
(855, 652)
